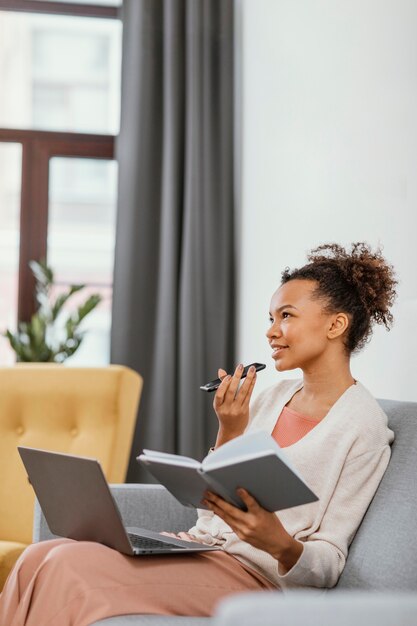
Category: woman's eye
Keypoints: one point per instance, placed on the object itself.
(286, 314)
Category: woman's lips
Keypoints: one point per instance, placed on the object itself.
(278, 351)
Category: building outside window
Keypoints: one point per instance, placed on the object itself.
(59, 115)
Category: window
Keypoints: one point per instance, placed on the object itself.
(10, 176)
(60, 68)
(81, 229)
(59, 72)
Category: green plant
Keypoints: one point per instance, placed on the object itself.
(41, 339)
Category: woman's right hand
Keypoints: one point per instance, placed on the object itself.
(231, 403)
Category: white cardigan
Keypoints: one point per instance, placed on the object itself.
(342, 459)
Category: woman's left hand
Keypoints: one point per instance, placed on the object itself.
(181, 535)
(257, 526)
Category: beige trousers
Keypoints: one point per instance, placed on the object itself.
(75, 583)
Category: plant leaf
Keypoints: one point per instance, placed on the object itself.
(68, 347)
(42, 273)
(62, 299)
(44, 277)
(30, 342)
(37, 331)
(88, 306)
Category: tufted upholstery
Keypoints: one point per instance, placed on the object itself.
(82, 411)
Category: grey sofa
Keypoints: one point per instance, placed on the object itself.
(382, 558)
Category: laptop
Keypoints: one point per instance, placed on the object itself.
(77, 503)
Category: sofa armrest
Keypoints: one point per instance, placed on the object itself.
(318, 608)
(146, 506)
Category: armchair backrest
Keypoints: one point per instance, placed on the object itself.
(84, 411)
(383, 554)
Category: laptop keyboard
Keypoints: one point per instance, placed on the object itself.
(149, 544)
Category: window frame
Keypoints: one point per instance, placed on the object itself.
(38, 147)
(61, 8)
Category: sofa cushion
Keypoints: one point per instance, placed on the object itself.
(383, 554)
(305, 608)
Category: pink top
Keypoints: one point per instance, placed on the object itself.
(292, 426)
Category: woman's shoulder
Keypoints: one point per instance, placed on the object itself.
(362, 414)
(363, 403)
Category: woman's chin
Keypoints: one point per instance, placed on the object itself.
(280, 366)
(284, 366)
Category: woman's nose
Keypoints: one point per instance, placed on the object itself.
(273, 331)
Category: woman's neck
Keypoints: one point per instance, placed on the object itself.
(327, 384)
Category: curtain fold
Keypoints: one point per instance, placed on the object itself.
(173, 297)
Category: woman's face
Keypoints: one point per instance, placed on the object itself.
(298, 334)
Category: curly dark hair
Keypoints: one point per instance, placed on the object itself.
(358, 282)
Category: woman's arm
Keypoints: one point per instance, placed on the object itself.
(260, 528)
(322, 553)
(231, 404)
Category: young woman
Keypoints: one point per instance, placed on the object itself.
(333, 430)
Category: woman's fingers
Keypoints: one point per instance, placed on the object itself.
(231, 401)
(222, 508)
(248, 499)
(242, 394)
(186, 536)
(181, 535)
(221, 392)
(234, 383)
(245, 391)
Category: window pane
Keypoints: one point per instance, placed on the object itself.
(60, 73)
(81, 238)
(10, 180)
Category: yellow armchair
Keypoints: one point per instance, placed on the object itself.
(82, 411)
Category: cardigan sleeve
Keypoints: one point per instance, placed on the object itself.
(209, 528)
(325, 550)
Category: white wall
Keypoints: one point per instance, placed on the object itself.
(328, 102)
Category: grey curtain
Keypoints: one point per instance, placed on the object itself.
(173, 299)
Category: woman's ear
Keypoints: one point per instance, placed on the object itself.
(339, 325)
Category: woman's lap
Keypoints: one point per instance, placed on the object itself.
(65, 582)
